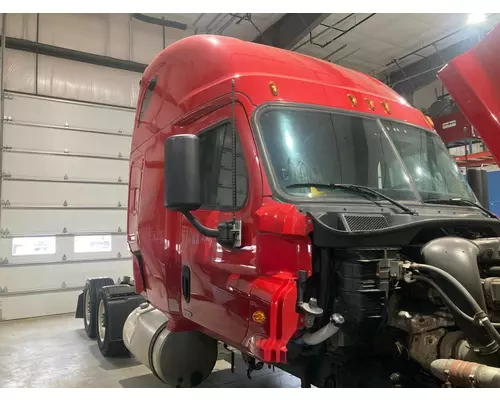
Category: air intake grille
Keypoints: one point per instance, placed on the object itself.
(363, 222)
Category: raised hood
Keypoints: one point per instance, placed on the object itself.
(473, 81)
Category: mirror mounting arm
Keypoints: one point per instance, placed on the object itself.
(227, 233)
(214, 233)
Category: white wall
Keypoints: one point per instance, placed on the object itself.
(114, 35)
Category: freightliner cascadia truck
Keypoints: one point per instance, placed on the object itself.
(306, 216)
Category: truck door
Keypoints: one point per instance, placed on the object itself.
(214, 278)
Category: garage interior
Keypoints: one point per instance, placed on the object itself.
(70, 85)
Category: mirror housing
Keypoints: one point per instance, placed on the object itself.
(182, 181)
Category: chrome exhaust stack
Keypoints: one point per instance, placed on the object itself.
(179, 359)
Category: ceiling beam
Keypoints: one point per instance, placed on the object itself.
(423, 72)
(290, 29)
(74, 55)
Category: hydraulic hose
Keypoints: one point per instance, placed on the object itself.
(447, 300)
(480, 315)
(451, 279)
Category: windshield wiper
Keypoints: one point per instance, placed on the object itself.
(356, 189)
(460, 201)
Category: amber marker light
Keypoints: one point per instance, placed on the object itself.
(371, 104)
(259, 317)
(274, 88)
(429, 121)
(386, 107)
(353, 100)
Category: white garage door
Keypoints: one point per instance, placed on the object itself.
(64, 201)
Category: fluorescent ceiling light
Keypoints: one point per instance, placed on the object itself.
(473, 19)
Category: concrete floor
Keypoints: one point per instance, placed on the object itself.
(55, 352)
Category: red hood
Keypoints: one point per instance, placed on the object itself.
(473, 81)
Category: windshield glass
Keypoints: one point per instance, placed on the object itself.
(320, 147)
(429, 163)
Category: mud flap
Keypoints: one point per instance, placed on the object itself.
(121, 301)
(79, 306)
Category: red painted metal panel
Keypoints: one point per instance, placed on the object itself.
(473, 81)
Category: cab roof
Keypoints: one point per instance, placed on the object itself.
(207, 63)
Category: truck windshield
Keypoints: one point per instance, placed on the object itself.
(404, 163)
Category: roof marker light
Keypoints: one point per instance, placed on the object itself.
(371, 104)
(354, 102)
(386, 107)
(274, 88)
(429, 121)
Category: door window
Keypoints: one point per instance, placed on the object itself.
(147, 97)
(216, 168)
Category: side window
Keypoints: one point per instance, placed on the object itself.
(147, 97)
(216, 168)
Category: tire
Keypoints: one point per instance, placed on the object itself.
(90, 293)
(107, 347)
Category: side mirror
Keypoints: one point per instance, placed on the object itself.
(182, 180)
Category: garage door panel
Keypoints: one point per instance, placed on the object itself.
(59, 276)
(20, 193)
(63, 248)
(34, 165)
(38, 305)
(48, 139)
(25, 108)
(66, 166)
(52, 221)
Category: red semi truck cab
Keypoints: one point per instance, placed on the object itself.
(304, 214)
(245, 296)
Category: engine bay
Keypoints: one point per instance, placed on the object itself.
(424, 313)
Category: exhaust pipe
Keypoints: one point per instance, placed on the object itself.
(459, 373)
(179, 359)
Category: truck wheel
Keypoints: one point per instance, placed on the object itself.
(90, 293)
(107, 347)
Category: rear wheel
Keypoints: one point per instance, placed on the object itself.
(90, 299)
(107, 347)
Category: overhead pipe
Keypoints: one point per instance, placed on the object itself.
(414, 76)
(347, 55)
(457, 48)
(433, 43)
(162, 22)
(198, 19)
(335, 52)
(227, 24)
(212, 22)
(347, 31)
(321, 33)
